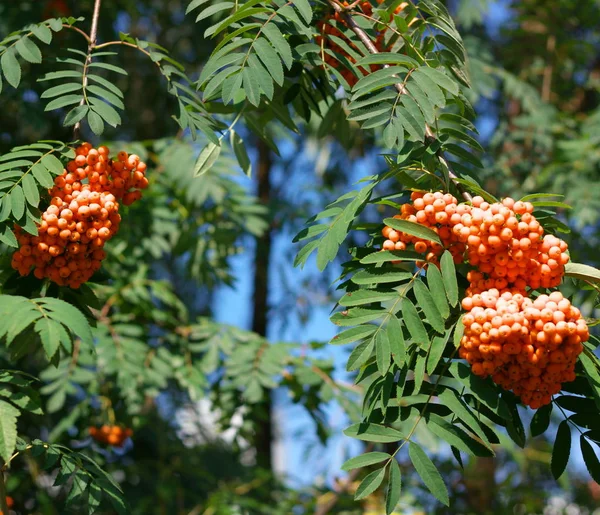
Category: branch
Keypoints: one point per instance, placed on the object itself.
(366, 40)
(548, 70)
(77, 29)
(91, 46)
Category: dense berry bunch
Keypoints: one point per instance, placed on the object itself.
(505, 241)
(111, 435)
(83, 214)
(526, 345)
(328, 33)
(437, 211)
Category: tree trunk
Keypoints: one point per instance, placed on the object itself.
(263, 437)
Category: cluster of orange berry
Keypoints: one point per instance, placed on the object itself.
(505, 241)
(529, 346)
(327, 31)
(436, 211)
(110, 435)
(83, 214)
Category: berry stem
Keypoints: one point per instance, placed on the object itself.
(366, 40)
(91, 45)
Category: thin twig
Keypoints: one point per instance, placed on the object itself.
(91, 45)
(77, 29)
(366, 40)
(548, 70)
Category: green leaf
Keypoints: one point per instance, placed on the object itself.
(62, 311)
(262, 76)
(382, 275)
(109, 67)
(413, 126)
(43, 33)
(207, 159)
(430, 88)
(106, 84)
(11, 68)
(412, 228)
(63, 101)
(387, 58)
(269, 57)
(239, 150)
(361, 353)
(436, 350)
(461, 410)
(584, 272)
(8, 429)
(390, 255)
(95, 122)
(304, 9)
(106, 111)
(231, 87)
(17, 200)
(576, 404)
(459, 331)
(63, 74)
(392, 495)
(455, 436)
(361, 297)
(29, 50)
(373, 433)
(75, 115)
(51, 333)
(370, 483)
(382, 352)
(540, 420)
(364, 460)
(274, 35)
(440, 78)
(427, 304)
(590, 459)
(561, 450)
(61, 89)
(7, 236)
(428, 473)
(251, 85)
(356, 316)
(240, 14)
(30, 189)
(354, 334)
(438, 290)
(419, 372)
(42, 176)
(413, 322)
(483, 389)
(396, 340)
(52, 164)
(449, 276)
(194, 4)
(106, 95)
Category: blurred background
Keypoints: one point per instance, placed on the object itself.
(199, 253)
